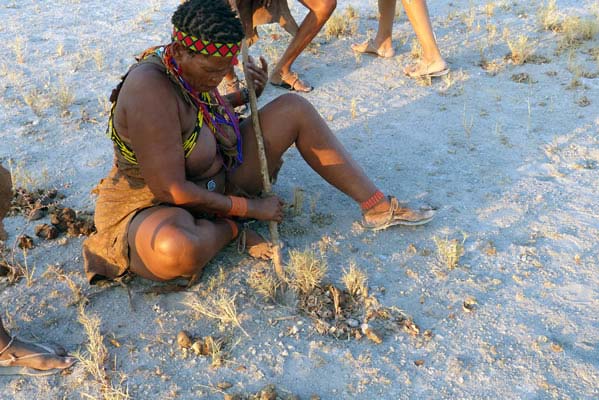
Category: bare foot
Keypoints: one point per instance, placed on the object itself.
(369, 47)
(257, 246)
(18, 353)
(423, 69)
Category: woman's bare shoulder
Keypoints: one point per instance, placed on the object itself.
(149, 90)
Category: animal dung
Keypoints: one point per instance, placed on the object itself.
(45, 231)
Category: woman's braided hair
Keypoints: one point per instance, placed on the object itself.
(211, 20)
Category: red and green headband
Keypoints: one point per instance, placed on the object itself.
(205, 46)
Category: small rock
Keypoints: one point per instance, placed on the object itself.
(469, 304)
(419, 363)
(352, 323)
(269, 392)
(224, 385)
(198, 347)
(371, 334)
(183, 340)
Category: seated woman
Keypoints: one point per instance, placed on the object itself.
(185, 167)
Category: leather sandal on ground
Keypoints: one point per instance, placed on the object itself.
(7, 367)
(292, 82)
(414, 72)
(396, 215)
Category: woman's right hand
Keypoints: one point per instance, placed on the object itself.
(266, 209)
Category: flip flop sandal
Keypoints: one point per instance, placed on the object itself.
(6, 367)
(436, 74)
(397, 215)
(289, 82)
(369, 49)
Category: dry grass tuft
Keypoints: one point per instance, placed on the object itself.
(19, 47)
(64, 97)
(96, 353)
(264, 282)
(355, 281)
(520, 49)
(98, 57)
(450, 251)
(298, 201)
(77, 295)
(577, 30)
(548, 16)
(342, 24)
(95, 356)
(490, 9)
(220, 306)
(37, 101)
(306, 270)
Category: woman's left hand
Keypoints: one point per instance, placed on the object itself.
(258, 74)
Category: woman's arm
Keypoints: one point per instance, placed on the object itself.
(152, 113)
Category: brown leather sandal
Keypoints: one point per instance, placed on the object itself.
(396, 215)
(292, 82)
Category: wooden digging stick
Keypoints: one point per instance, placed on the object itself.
(272, 225)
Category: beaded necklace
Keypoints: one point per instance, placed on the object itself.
(204, 102)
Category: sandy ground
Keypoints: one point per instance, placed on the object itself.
(512, 167)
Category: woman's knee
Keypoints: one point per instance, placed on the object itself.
(293, 104)
(179, 252)
(324, 8)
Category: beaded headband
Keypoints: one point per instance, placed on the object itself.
(205, 46)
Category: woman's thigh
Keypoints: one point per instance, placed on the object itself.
(280, 125)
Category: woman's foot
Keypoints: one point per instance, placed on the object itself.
(25, 358)
(389, 213)
(255, 245)
(290, 81)
(384, 50)
(424, 69)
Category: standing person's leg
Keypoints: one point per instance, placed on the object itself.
(432, 62)
(23, 358)
(5, 198)
(291, 119)
(320, 11)
(382, 44)
(230, 82)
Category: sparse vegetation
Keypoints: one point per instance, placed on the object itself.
(449, 251)
(355, 281)
(95, 357)
(220, 306)
(64, 98)
(306, 270)
(520, 49)
(548, 16)
(37, 101)
(342, 24)
(264, 282)
(576, 30)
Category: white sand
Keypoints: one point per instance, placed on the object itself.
(512, 166)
